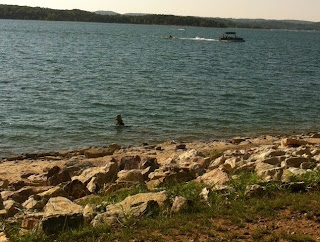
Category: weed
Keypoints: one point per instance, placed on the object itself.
(296, 237)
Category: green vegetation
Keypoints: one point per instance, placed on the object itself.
(227, 215)
(29, 13)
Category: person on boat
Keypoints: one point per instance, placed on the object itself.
(119, 120)
(170, 37)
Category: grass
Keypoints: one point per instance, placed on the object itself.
(227, 216)
(114, 197)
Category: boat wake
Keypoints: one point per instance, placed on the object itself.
(199, 39)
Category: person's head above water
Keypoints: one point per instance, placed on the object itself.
(119, 120)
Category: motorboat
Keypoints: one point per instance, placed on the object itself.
(231, 37)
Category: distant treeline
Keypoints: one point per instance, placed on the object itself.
(29, 13)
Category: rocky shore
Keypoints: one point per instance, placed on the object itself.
(49, 191)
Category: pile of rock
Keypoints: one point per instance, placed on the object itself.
(49, 200)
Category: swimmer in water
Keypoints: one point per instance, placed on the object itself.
(119, 120)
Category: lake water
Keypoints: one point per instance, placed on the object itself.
(62, 84)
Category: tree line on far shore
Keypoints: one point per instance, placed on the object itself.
(37, 13)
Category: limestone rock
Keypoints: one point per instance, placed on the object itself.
(247, 167)
(150, 162)
(34, 203)
(89, 212)
(204, 195)
(232, 161)
(217, 162)
(170, 174)
(302, 151)
(194, 168)
(268, 154)
(12, 207)
(317, 158)
(189, 155)
(61, 206)
(4, 184)
(26, 174)
(103, 175)
(255, 190)
(181, 147)
(38, 179)
(130, 176)
(294, 161)
(214, 177)
(60, 177)
(75, 167)
(155, 183)
(3, 237)
(179, 204)
(3, 214)
(100, 152)
(307, 165)
(135, 206)
(272, 161)
(290, 142)
(60, 222)
(129, 162)
(292, 172)
(75, 189)
(52, 192)
(268, 172)
(1, 203)
(295, 186)
(31, 221)
(53, 171)
(23, 194)
(93, 185)
(237, 140)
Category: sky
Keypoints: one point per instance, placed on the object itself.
(266, 9)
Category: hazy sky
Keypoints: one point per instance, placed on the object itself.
(267, 9)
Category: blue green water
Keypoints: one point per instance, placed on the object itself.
(63, 83)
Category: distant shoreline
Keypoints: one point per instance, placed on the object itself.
(75, 15)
